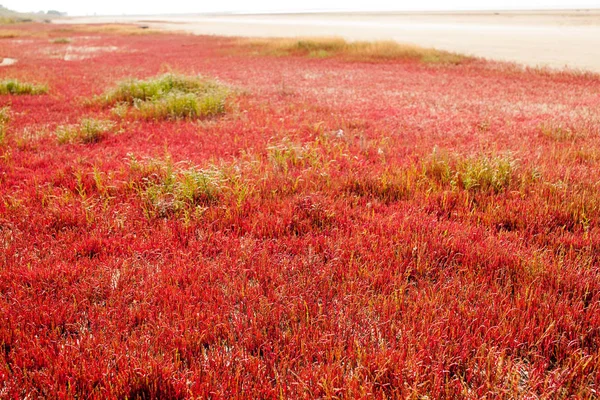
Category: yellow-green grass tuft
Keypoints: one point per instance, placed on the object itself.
(14, 87)
(169, 189)
(61, 40)
(89, 130)
(321, 47)
(4, 119)
(168, 96)
(474, 173)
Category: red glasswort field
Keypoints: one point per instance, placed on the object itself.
(332, 226)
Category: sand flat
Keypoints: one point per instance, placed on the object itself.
(7, 61)
(556, 39)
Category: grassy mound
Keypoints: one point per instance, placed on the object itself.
(168, 96)
(357, 51)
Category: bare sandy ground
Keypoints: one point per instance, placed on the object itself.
(556, 39)
(7, 61)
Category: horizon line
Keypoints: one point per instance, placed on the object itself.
(349, 11)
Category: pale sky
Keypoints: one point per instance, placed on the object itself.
(119, 7)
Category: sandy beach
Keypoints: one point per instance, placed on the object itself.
(556, 39)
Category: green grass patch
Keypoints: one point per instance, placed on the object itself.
(484, 173)
(391, 186)
(323, 47)
(481, 173)
(168, 96)
(61, 41)
(168, 189)
(89, 130)
(559, 132)
(4, 119)
(13, 86)
(182, 106)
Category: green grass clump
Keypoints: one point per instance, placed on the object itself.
(387, 187)
(89, 130)
(61, 41)
(4, 119)
(486, 173)
(560, 132)
(182, 105)
(132, 90)
(4, 114)
(439, 168)
(13, 86)
(474, 173)
(120, 110)
(168, 189)
(169, 96)
(322, 47)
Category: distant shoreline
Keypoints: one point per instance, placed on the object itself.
(529, 12)
(538, 38)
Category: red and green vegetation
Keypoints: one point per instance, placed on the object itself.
(181, 217)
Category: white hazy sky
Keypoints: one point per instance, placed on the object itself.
(118, 7)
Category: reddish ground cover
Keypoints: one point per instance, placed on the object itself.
(388, 229)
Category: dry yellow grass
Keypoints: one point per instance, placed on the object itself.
(119, 29)
(24, 33)
(62, 31)
(9, 33)
(321, 47)
(7, 20)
